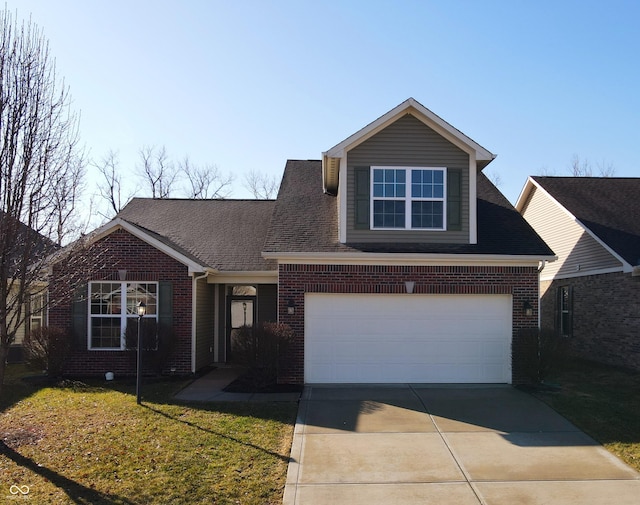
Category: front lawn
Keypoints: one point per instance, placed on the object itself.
(91, 443)
(602, 401)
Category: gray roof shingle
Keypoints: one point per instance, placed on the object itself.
(306, 220)
(227, 235)
(608, 206)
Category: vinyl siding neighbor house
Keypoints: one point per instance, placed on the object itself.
(590, 295)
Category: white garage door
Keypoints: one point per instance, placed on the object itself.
(407, 338)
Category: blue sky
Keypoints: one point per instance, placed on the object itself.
(248, 84)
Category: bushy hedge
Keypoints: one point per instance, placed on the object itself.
(46, 348)
(260, 347)
(545, 351)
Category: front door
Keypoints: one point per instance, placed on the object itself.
(241, 312)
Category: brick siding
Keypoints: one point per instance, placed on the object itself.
(121, 251)
(296, 280)
(606, 317)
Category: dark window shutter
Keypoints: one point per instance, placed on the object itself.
(165, 304)
(454, 200)
(362, 203)
(79, 311)
(569, 331)
(557, 323)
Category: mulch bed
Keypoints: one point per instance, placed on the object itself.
(255, 381)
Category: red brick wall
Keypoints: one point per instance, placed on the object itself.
(121, 251)
(606, 317)
(296, 280)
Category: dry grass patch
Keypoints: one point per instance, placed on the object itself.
(602, 401)
(93, 444)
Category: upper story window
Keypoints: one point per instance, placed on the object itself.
(408, 198)
(112, 305)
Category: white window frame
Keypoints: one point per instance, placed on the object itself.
(124, 317)
(408, 199)
(37, 315)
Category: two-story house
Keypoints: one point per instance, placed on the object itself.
(393, 258)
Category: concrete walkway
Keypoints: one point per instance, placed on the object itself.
(210, 388)
(462, 446)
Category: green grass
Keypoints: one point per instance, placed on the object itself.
(80, 443)
(602, 401)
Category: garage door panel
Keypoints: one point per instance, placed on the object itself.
(407, 338)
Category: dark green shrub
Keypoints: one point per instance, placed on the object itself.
(46, 348)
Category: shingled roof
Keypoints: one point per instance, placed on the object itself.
(608, 206)
(22, 244)
(227, 235)
(305, 220)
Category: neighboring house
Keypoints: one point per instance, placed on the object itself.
(34, 312)
(394, 259)
(590, 295)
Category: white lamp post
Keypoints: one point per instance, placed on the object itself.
(142, 310)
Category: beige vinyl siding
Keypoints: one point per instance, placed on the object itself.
(407, 143)
(578, 252)
(19, 335)
(204, 323)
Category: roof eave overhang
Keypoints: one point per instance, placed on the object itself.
(524, 196)
(357, 258)
(244, 276)
(331, 158)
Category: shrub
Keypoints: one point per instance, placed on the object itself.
(46, 348)
(260, 347)
(158, 342)
(545, 350)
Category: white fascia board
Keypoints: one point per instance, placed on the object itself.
(407, 259)
(119, 223)
(584, 273)
(432, 120)
(524, 194)
(626, 267)
(244, 277)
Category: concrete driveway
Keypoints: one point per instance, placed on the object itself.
(446, 445)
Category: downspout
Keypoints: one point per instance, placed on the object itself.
(543, 264)
(194, 298)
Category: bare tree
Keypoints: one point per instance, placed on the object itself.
(110, 187)
(545, 171)
(67, 189)
(495, 178)
(606, 169)
(157, 171)
(582, 168)
(261, 186)
(40, 169)
(205, 181)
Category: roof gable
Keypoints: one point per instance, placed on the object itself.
(331, 158)
(204, 235)
(607, 208)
